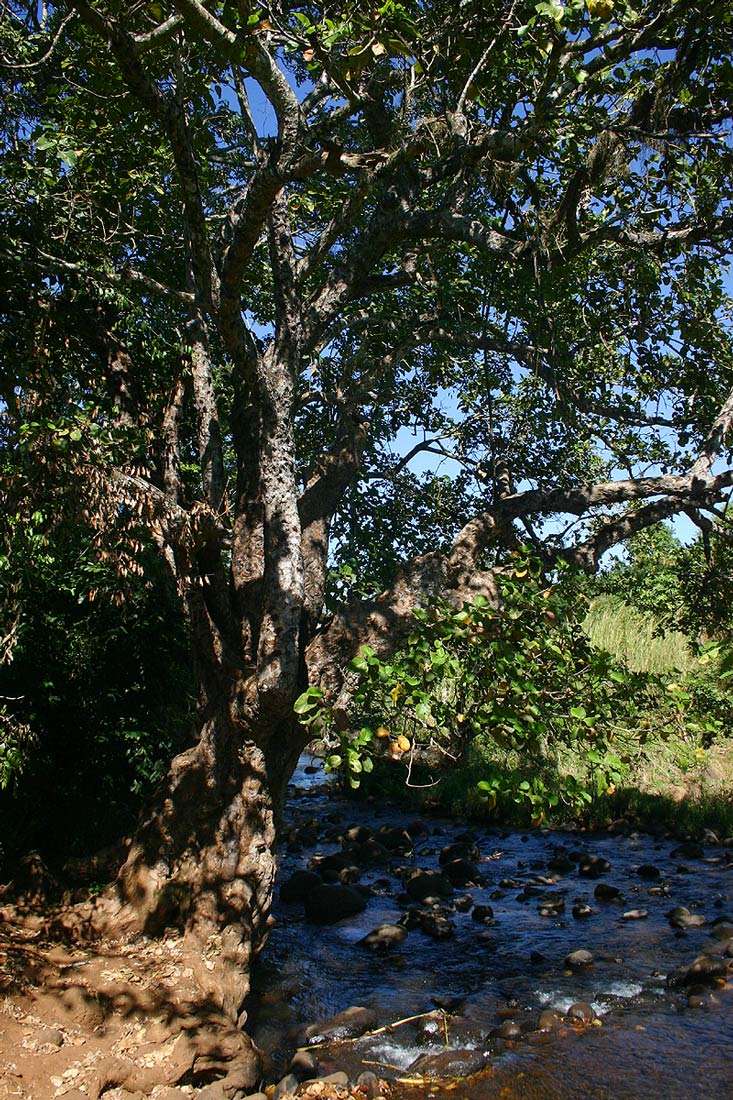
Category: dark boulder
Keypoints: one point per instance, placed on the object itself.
(298, 886)
(425, 884)
(461, 849)
(604, 892)
(591, 866)
(327, 903)
(461, 872)
(704, 970)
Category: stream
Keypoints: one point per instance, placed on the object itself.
(480, 987)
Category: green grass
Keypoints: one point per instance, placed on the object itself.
(635, 639)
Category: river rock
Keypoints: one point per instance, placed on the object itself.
(287, 1087)
(368, 1083)
(635, 914)
(327, 904)
(581, 910)
(604, 892)
(581, 1013)
(395, 838)
(424, 884)
(700, 998)
(418, 828)
(465, 902)
(436, 924)
(348, 1024)
(385, 937)
(562, 864)
(579, 959)
(449, 1063)
(552, 905)
(704, 969)
(304, 1065)
(649, 871)
(461, 849)
(549, 1020)
(591, 866)
(298, 886)
(339, 1079)
(484, 914)
(461, 872)
(509, 1029)
(688, 850)
(336, 862)
(722, 928)
(680, 917)
(358, 834)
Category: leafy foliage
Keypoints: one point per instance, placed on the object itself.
(97, 696)
(559, 717)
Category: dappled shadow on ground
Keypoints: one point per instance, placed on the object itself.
(124, 1014)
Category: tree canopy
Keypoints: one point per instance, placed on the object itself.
(260, 261)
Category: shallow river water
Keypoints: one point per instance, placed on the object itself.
(648, 1042)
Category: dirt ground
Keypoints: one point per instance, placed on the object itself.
(108, 1019)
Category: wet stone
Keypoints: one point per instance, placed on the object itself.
(449, 1063)
(464, 849)
(649, 872)
(549, 1020)
(436, 925)
(703, 970)
(604, 892)
(591, 866)
(385, 937)
(461, 873)
(298, 886)
(328, 904)
(681, 917)
(287, 1087)
(688, 850)
(424, 884)
(348, 1024)
(368, 1083)
(581, 910)
(581, 1013)
(339, 1079)
(509, 1029)
(304, 1065)
(484, 914)
(579, 959)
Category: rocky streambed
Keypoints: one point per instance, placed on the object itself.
(543, 964)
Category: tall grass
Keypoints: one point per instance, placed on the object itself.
(635, 639)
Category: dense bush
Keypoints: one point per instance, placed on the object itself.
(95, 694)
(513, 701)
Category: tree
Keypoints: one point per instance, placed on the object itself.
(249, 246)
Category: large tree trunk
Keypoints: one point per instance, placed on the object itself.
(204, 862)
